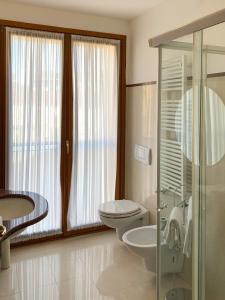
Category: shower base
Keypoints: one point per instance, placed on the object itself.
(179, 294)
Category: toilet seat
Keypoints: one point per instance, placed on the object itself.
(119, 209)
(119, 216)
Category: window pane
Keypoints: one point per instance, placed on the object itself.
(95, 107)
(34, 120)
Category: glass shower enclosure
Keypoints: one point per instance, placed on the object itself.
(191, 167)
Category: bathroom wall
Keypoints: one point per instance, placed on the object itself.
(63, 18)
(59, 17)
(143, 67)
(141, 128)
(168, 15)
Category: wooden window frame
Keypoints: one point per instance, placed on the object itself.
(67, 114)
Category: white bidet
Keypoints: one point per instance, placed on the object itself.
(143, 242)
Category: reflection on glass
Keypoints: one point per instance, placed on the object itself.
(214, 116)
(175, 184)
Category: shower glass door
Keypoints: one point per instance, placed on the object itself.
(213, 165)
(179, 173)
(191, 164)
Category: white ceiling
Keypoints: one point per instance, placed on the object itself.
(125, 9)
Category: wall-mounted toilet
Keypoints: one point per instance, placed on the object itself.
(123, 215)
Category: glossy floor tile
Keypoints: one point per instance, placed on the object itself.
(91, 267)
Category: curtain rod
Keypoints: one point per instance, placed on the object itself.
(200, 24)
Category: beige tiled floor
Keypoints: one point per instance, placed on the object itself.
(92, 267)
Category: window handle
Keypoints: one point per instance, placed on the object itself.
(67, 147)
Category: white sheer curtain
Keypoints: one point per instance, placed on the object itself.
(95, 93)
(35, 61)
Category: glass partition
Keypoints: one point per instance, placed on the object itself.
(175, 168)
(213, 54)
(191, 164)
(181, 189)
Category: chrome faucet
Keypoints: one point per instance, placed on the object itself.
(2, 230)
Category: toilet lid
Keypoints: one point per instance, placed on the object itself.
(119, 208)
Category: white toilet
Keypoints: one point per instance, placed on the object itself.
(143, 242)
(123, 215)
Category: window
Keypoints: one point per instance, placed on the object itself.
(64, 115)
(95, 107)
(34, 119)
